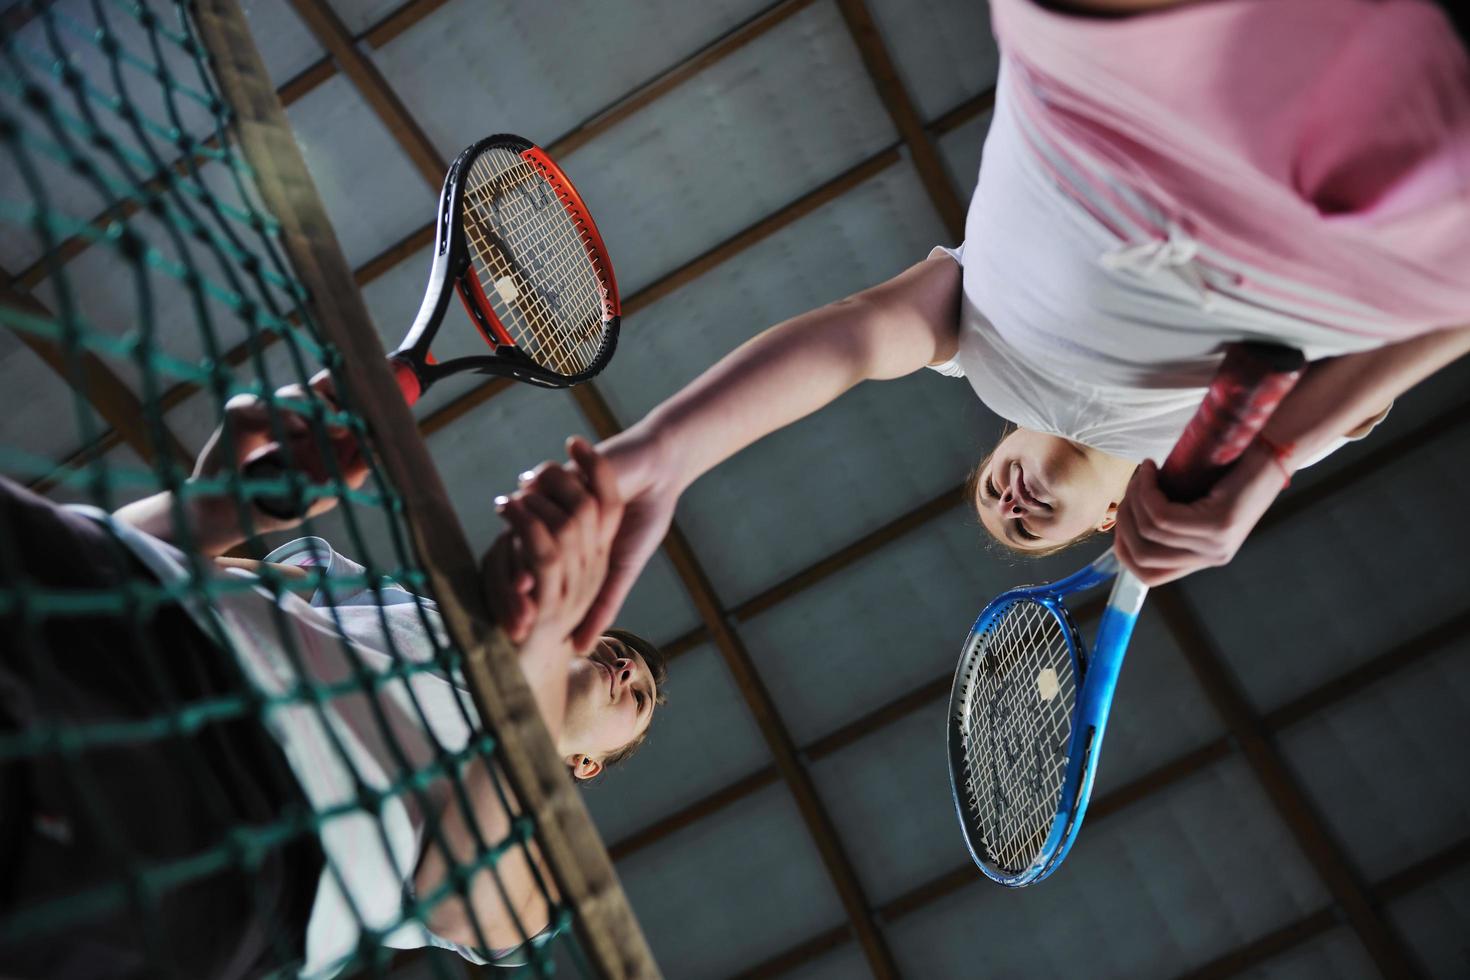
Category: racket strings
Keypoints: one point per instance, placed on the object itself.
(534, 262)
(1016, 717)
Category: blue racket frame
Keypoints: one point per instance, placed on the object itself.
(1097, 680)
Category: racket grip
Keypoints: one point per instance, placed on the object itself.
(282, 506)
(407, 378)
(1250, 383)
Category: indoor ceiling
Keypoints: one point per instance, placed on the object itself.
(1280, 794)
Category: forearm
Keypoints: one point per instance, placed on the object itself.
(494, 892)
(212, 529)
(1336, 396)
(800, 366)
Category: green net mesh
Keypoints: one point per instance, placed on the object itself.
(183, 782)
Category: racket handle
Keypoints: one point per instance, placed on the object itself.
(408, 379)
(272, 465)
(1250, 383)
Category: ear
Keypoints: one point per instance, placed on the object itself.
(1109, 518)
(583, 766)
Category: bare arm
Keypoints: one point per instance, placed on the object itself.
(771, 381)
(1335, 396)
(797, 367)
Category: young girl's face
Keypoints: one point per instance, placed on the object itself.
(1038, 491)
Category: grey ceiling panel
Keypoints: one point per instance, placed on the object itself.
(1344, 572)
(40, 418)
(1338, 955)
(878, 451)
(539, 69)
(372, 192)
(77, 29)
(1432, 921)
(881, 627)
(359, 15)
(130, 479)
(943, 48)
(285, 44)
(870, 234)
(960, 149)
(889, 797)
(111, 295)
(702, 740)
(845, 963)
(1161, 714)
(1381, 768)
(731, 890)
(659, 607)
(1445, 393)
(741, 139)
(1153, 890)
(481, 455)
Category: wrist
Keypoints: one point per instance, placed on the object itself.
(645, 457)
(1268, 460)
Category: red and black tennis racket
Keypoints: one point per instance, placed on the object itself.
(515, 242)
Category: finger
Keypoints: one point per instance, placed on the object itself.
(539, 547)
(602, 483)
(519, 613)
(1161, 518)
(581, 536)
(547, 511)
(323, 384)
(562, 487)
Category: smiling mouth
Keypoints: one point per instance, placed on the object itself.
(1029, 498)
(612, 681)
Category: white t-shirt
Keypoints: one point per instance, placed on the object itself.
(283, 642)
(1066, 328)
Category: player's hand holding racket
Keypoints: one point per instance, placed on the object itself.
(515, 242)
(1160, 540)
(1029, 704)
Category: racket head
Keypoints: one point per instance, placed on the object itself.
(1014, 761)
(516, 243)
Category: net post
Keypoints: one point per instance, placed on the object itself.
(580, 866)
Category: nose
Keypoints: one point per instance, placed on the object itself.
(623, 671)
(1011, 504)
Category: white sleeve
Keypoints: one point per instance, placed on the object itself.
(950, 368)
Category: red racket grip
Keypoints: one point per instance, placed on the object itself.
(1250, 383)
(407, 378)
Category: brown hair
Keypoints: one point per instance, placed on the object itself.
(972, 495)
(658, 668)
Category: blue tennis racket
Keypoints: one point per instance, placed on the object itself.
(1029, 705)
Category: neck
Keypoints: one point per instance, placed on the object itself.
(1113, 471)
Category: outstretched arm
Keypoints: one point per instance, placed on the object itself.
(1161, 541)
(769, 382)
